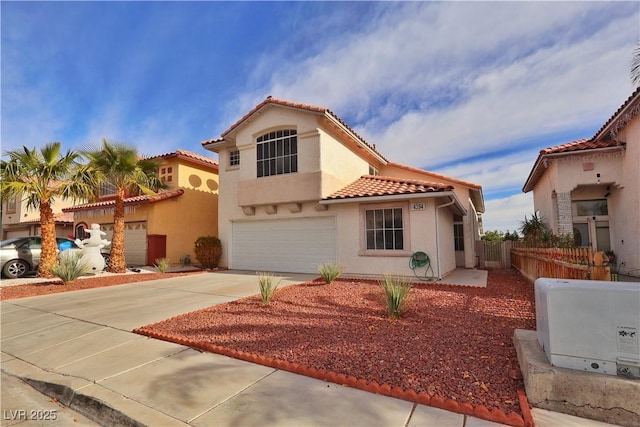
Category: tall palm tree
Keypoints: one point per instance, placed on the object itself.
(39, 177)
(121, 167)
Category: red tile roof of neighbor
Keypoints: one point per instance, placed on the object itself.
(580, 144)
(60, 217)
(136, 200)
(189, 155)
(635, 96)
(370, 186)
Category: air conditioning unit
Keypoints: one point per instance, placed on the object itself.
(589, 325)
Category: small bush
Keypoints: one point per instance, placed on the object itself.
(268, 284)
(208, 250)
(330, 271)
(395, 290)
(70, 266)
(162, 264)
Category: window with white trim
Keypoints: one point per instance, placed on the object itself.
(234, 158)
(277, 153)
(384, 229)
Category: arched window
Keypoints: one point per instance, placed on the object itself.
(80, 233)
(277, 153)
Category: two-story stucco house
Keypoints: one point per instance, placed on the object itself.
(19, 221)
(590, 188)
(165, 225)
(299, 188)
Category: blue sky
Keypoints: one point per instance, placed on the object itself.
(469, 89)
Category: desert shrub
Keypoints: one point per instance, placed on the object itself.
(208, 250)
(267, 284)
(330, 271)
(395, 290)
(162, 264)
(70, 266)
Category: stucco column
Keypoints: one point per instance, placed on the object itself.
(565, 218)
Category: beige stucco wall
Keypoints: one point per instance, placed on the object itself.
(625, 201)
(24, 214)
(619, 177)
(470, 224)
(326, 165)
(420, 235)
(543, 201)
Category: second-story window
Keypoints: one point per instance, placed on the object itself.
(11, 205)
(234, 158)
(277, 153)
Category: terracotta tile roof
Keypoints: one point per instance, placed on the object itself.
(634, 97)
(60, 217)
(370, 186)
(136, 200)
(437, 175)
(580, 144)
(291, 104)
(189, 155)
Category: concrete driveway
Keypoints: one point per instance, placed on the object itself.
(77, 347)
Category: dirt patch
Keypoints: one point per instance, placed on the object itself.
(48, 287)
(453, 343)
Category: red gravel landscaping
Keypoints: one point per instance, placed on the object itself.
(453, 343)
(49, 287)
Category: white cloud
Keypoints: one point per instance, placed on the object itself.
(507, 172)
(506, 214)
(439, 83)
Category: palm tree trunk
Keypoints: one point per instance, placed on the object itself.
(49, 254)
(118, 262)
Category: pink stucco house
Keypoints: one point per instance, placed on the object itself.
(591, 187)
(299, 188)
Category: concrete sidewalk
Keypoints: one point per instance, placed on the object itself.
(77, 348)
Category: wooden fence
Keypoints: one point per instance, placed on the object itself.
(574, 263)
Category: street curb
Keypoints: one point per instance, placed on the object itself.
(90, 407)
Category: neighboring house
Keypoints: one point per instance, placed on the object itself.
(299, 188)
(590, 188)
(18, 221)
(165, 225)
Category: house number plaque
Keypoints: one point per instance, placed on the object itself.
(417, 207)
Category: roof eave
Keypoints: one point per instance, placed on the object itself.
(539, 166)
(393, 197)
(629, 104)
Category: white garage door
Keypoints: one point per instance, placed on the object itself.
(290, 245)
(135, 242)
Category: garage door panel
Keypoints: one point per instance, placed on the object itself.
(135, 242)
(292, 245)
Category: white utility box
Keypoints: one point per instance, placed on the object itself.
(589, 325)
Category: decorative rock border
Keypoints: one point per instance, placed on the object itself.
(465, 408)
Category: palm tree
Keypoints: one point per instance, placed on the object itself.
(534, 230)
(121, 167)
(40, 177)
(635, 66)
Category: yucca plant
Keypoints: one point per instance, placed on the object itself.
(268, 284)
(70, 266)
(396, 289)
(162, 264)
(330, 271)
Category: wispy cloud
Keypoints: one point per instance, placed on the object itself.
(469, 89)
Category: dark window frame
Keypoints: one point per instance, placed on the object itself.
(277, 153)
